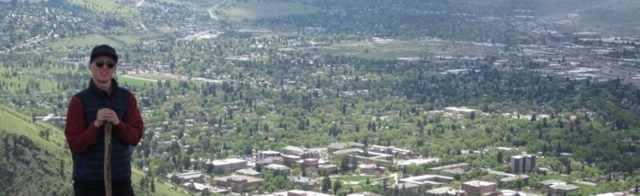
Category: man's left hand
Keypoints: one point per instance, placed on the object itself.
(112, 117)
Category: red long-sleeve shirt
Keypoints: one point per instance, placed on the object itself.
(80, 139)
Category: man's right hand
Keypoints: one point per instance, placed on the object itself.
(102, 116)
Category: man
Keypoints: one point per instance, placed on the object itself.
(89, 110)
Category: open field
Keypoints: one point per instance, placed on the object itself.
(95, 39)
(128, 81)
(254, 10)
(15, 122)
(174, 79)
(107, 5)
(392, 50)
(355, 178)
(41, 77)
(473, 51)
(377, 50)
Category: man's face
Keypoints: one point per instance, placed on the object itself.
(102, 69)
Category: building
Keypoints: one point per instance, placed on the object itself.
(277, 168)
(404, 185)
(346, 152)
(328, 169)
(427, 181)
(248, 172)
(302, 181)
(462, 110)
(418, 161)
(524, 177)
(268, 154)
(363, 194)
(562, 189)
(297, 193)
(227, 165)
(558, 187)
(368, 168)
(514, 193)
(343, 146)
(293, 150)
(194, 176)
(392, 150)
(290, 160)
(523, 163)
(446, 191)
(311, 162)
(477, 187)
(302, 152)
(463, 166)
(263, 163)
(237, 183)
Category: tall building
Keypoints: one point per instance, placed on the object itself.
(523, 163)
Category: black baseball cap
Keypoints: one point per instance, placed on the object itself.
(103, 50)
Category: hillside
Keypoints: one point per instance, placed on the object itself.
(613, 17)
(35, 160)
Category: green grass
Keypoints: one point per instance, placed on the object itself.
(355, 178)
(15, 122)
(90, 40)
(27, 76)
(107, 5)
(174, 81)
(254, 10)
(135, 82)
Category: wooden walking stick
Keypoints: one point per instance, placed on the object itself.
(107, 158)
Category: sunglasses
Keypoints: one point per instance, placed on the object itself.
(110, 64)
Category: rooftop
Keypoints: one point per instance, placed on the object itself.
(423, 178)
(294, 148)
(188, 175)
(250, 172)
(478, 183)
(302, 179)
(269, 152)
(327, 166)
(297, 192)
(406, 185)
(363, 194)
(347, 151)
(277, 167)
(445, 190)
(227, 161)
(238, 177)
(565, 187)
(417, 161)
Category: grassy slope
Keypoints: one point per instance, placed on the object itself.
(13, 122)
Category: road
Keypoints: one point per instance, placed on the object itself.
(35, 40)
(213, 16)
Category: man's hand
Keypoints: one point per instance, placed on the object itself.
(106, 115)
